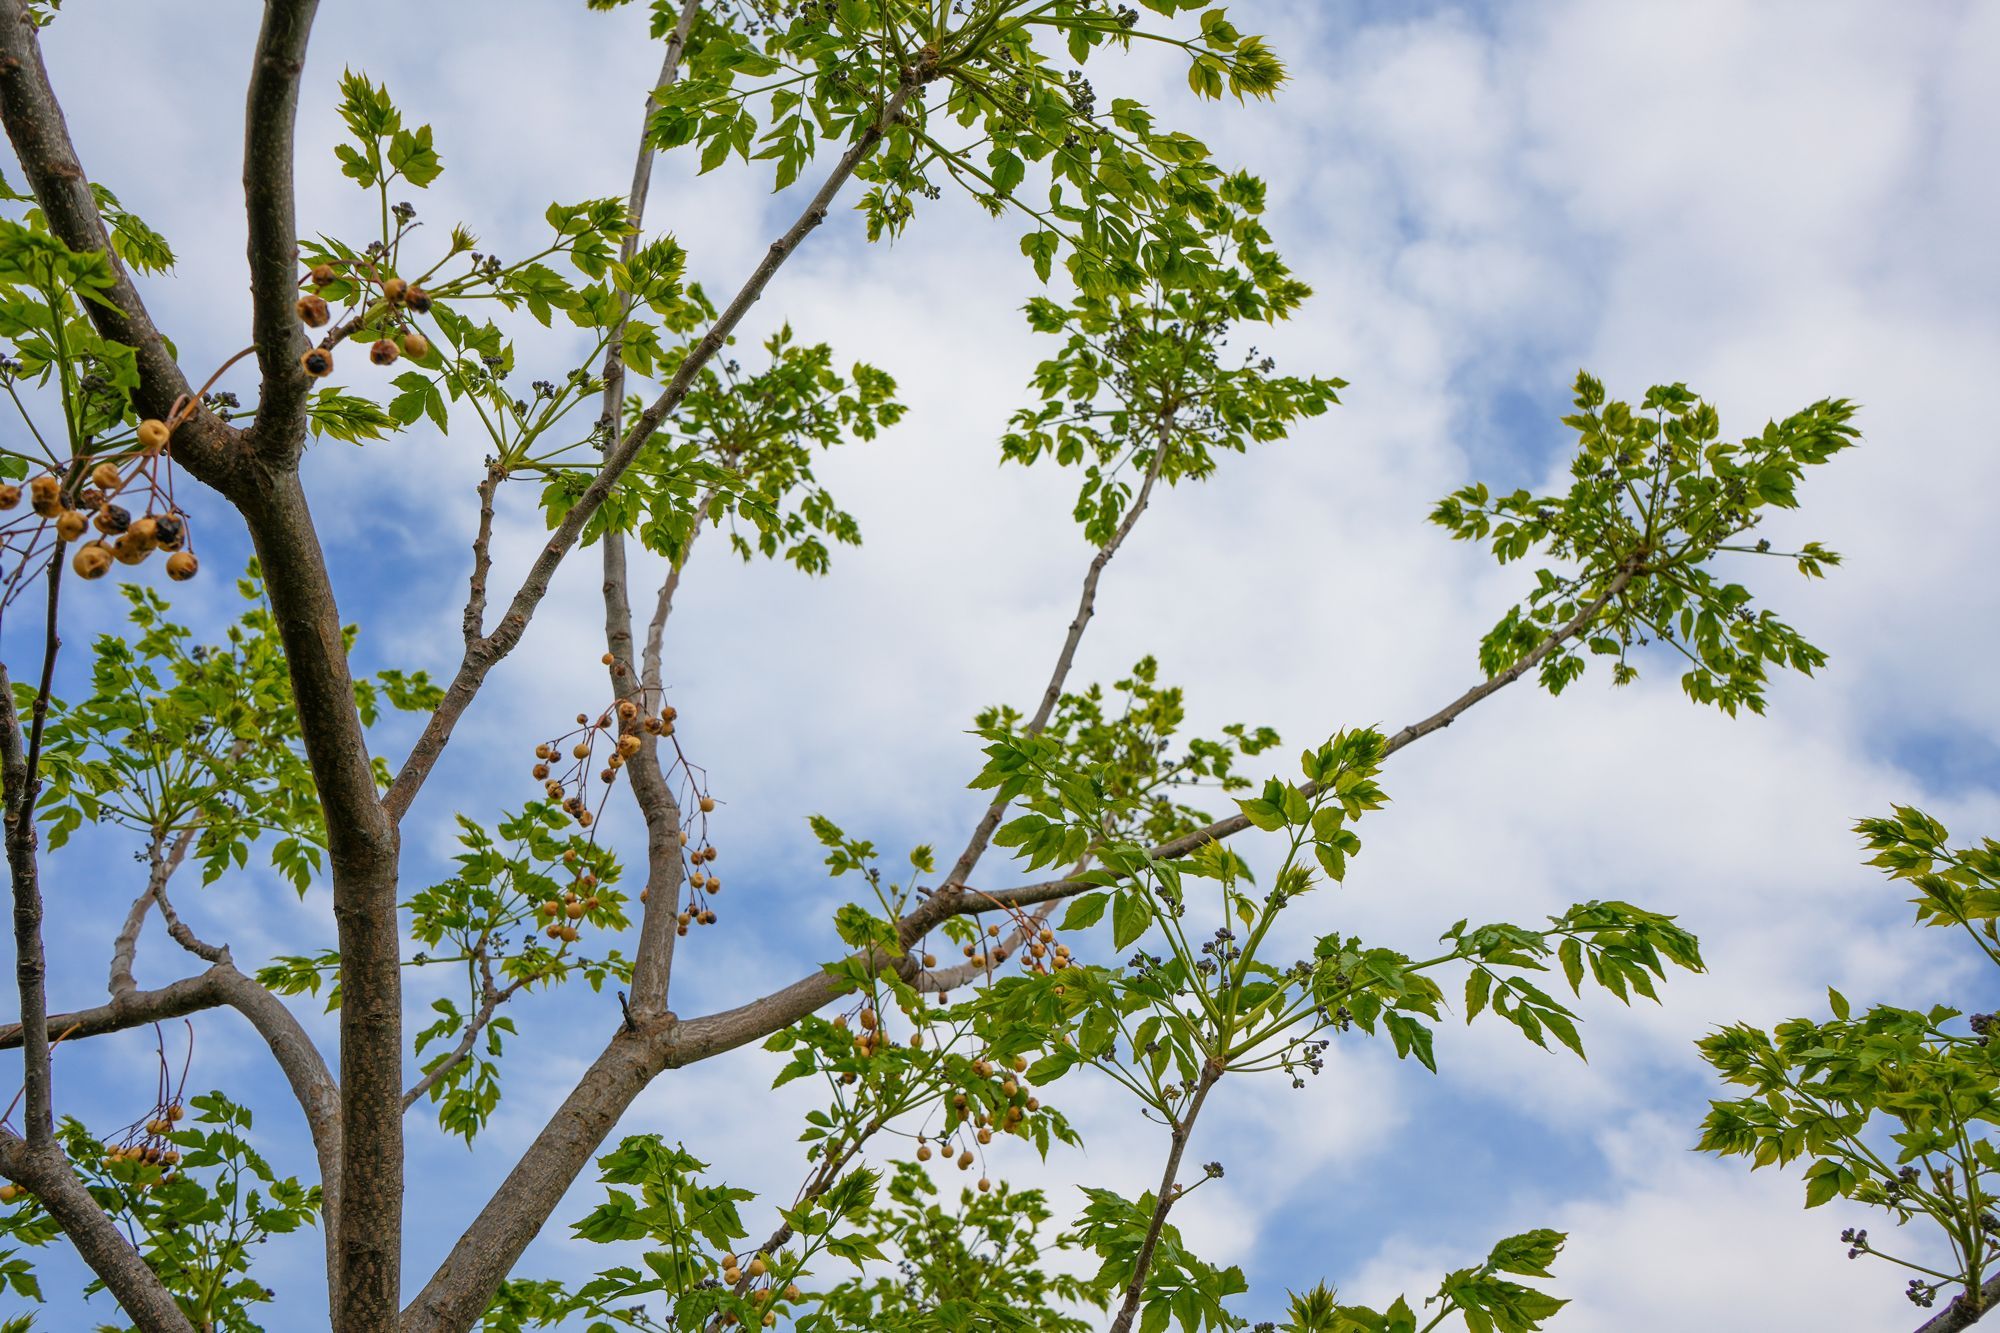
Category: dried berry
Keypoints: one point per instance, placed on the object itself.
(415, 345)
(91, 561)
(106, 476)
(153, 434)
(70, 525)
(182, 566)
(384, 352)
(417, 299)
(318, 362)
(313, 312)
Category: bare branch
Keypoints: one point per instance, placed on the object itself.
(474, 621)
(1086, 606)
(653, 961)
(457, 1294)
(363, 850)
(35, 126)
(491, 997)
(481, 658)
(663, 606)
(126, 947)
(21, 757)
(181, 935)
(134, 1009)
(268, 130)
(1182, 1128)
(46, 1173)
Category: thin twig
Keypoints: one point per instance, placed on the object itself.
(982, 834)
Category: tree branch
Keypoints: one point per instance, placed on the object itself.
(20, 758)
(482, 657)
(1086, 607)
(473, 622)
(1961, 1313)
(653, 960)
(363, 848)
(269, 122)
(126, 947)
(491, 997)
(1183, 1128)
(457, 1294)
(140, 1294)
(697, 1039)
(663, 606)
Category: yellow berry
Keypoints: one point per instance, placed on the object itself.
(91, 561)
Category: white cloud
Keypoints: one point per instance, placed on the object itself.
(1773, 203)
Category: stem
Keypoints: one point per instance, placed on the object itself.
(1086, 607)
(1183, 1127)
(23, 783)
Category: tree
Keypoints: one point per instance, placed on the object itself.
(1150, 256)
(1892, 1105)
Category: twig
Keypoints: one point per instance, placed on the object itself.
(481, 658)
(982, 834)
(1183, 1127)
(23, 785)
(126, 946)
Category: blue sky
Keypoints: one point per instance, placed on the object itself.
(1774, 203)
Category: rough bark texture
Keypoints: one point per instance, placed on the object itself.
(457, 1294)
(362, 852)
(269, 121)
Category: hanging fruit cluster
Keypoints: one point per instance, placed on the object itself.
(762, 1284)
(377, 303)
(116, 506)
(143, 1153)
(563, 916)
(567, 765)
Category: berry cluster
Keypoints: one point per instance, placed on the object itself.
(378, 302)
(563, 914)
(1040, 952)
(91, 502)
(566, 765)
(149, 1144)
(737, 1274)
(998, 1099)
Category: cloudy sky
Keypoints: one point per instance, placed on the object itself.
(1772, 202)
